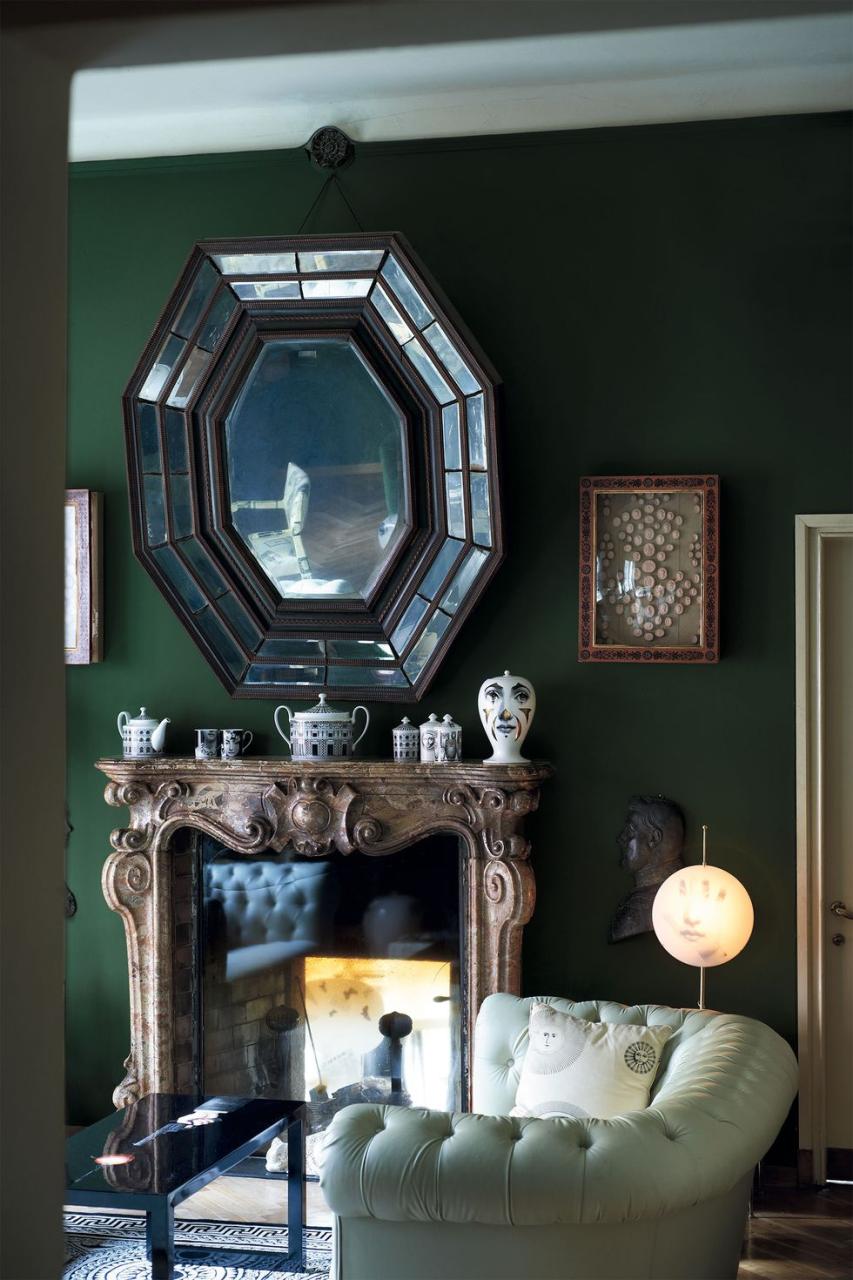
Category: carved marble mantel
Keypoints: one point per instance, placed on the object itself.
(374, 806)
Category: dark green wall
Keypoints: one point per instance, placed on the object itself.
(656, 299)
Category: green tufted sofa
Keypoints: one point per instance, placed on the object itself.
(660, 1194)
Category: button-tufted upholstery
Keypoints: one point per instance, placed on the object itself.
(656, 1193)
(271, 911)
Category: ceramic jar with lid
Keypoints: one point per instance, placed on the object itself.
(450, 739)
(430, 735)
(406, 738)
(441, 740)
(321, 733)
(506, 705)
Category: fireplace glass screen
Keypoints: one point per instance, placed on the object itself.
(332, 979)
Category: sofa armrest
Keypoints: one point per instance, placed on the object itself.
(723, 1105)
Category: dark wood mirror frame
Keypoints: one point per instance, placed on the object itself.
(233, 297)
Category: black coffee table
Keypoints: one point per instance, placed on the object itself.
(174, 1165)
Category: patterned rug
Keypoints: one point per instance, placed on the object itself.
(102, 1246)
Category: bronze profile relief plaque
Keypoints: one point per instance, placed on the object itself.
(649, 574)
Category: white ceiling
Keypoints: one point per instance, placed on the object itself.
(562, 80)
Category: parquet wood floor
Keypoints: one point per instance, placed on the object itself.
(800, 1235)
(793, 1234)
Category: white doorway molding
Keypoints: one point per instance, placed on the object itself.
(811, 535)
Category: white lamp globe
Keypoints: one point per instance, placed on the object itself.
(702, 915)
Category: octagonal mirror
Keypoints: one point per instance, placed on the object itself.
(313, 466)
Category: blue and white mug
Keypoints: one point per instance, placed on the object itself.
(235, 742)
(207, 744)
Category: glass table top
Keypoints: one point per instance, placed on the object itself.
(148, 1156)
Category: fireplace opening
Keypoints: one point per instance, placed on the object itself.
(335, 979)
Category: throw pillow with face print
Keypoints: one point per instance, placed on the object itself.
(587, 1069)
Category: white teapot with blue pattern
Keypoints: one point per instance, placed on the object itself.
(142, 735)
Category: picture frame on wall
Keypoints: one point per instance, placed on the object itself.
(83, 631)
(649, 569)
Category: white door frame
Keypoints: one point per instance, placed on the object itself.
(810, 535)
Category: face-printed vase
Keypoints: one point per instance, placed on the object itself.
(506, 704)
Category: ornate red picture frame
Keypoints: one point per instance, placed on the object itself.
(649, 569)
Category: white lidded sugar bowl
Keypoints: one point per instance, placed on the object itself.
(406, 738)
(321, 733)
(141, 735)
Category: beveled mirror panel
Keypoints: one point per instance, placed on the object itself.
(313, 466)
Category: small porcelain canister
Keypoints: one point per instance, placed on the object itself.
(406, 738)
(430, 734)
(450, 739)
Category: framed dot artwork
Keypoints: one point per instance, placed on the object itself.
(649, 569)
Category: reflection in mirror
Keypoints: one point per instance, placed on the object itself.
(462, 583)
(197, 299)
(213, 630)
(428, 371)
(366, 677)
(335, 288)
(455, 504)
(204, 567)
(290, 674)
(390, 314)
(402, 286)
(315, 456)
(245, 264)
(240, 621)
(266, 288)
(452, 449)
(408, 624)
(451, 359)
(179, 578)
(475, 417)
(341, 260)
(217, 319)
(341, 975)
(182, 514)
(166, 360)
(423, 650)
(187, 381)
(481, 525)
(176, 440)
(440, 567)
(155, 516)
(149, 437)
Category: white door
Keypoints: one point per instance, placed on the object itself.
(825, 844)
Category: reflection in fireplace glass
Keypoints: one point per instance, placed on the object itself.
(333, 979)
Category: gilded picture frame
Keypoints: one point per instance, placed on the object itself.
(83, 631)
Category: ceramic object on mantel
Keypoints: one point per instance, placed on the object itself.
(321, 733)
(406, 738)
(506, 705)
(142, 735)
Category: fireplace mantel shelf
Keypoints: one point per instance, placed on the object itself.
(257, 803)
(267, 766)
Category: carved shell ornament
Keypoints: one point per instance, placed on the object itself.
(506, 705)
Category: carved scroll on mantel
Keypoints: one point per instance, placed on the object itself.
(374, 806)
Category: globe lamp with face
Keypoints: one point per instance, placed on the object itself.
(703, 916)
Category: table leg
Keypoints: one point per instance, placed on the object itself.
(296, 1190)
(160, 1240)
